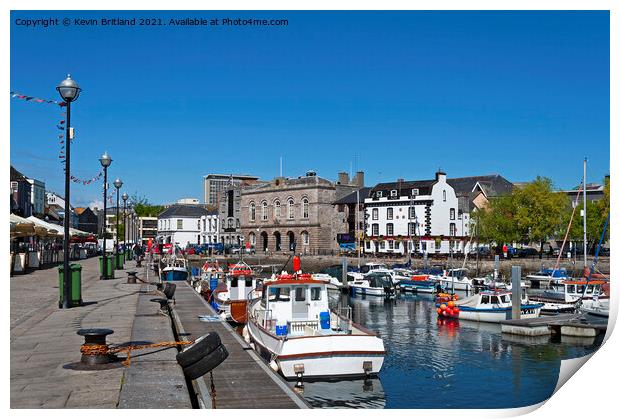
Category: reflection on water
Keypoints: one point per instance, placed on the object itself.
(348, 393)
(435, 363)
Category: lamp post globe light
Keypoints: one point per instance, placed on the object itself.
(105, 161)
(69, 92)
(117, 184)
(125, 197)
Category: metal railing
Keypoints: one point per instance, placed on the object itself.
(341, 319)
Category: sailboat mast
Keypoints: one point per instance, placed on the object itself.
(585, 240)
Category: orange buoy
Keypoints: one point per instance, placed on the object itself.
(450, 304)
(439, 311)
(442, 307)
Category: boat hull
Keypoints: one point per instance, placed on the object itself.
(328, 356)
(497, 315)
(175, 275)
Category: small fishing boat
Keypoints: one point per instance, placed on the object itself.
(292, 326)
(545, 278)
(418, 284)
(455, 279)
(564, 296)
(175, 268)
(374, 283)
(230, 297)
(492, 307)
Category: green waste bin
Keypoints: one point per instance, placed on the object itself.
(75, 296)
(110, 267)
(119, 261)
(129, 254)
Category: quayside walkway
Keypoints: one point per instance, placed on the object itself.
(45, 348)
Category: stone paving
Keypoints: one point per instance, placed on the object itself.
(44, 341)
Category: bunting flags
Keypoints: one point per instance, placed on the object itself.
(61, 137)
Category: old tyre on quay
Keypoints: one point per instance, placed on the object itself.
(203, 346)
(206, 364)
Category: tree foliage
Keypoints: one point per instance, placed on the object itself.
(143, 208)
(533, 213)
(596, 213)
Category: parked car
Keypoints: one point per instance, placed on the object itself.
(237, 250)
(526, 252)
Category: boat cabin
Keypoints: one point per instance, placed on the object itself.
(371, 266)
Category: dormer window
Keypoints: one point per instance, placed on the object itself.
(393, 192)
(415, 192)
(379, 194)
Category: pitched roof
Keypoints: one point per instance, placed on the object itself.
(424, 186)
(184, 210)
(16, 175)
(491, 185)
(352, 197)
(79, 210)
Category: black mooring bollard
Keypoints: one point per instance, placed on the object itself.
(131, 277)
(95, 349)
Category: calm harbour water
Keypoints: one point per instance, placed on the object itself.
(432, 363)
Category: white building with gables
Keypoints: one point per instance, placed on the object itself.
(421, 216)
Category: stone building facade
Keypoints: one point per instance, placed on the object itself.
(299, 210)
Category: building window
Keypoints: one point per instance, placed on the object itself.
(305, 238)
(263, 210)
(444, 196)
(179, 224)
(276, 206)
(390, 213)
(368, 245)
(375, 229)
(411, 213)
(252, 211)
(291, 209)
(379, 194)
(412, 228)
(452, 213)
(415, 192)
(198, 225)
(393, 193)
(389, 227)
(390, 244)
(460, 215)
(452, 229)
(305, 208)
(252, 239)
(382, 245)
(375, 213)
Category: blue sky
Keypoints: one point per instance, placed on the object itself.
(396, 94)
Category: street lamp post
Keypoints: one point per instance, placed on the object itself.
(125, 236)
(69, 91)
(117, 184)
(105, 161)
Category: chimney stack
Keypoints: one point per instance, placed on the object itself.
(343, 178)
(358, 180)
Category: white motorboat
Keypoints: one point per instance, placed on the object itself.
(293, 327)
(377, 283)
(455, 279)
(493, 307)
(332, 282)
(546, 278)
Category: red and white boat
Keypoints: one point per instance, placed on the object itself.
(292, 326)
(230, 297)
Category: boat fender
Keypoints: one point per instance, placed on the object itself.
(245, 334)
(274, 365)
(223, 316)
(252, 346)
